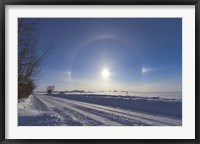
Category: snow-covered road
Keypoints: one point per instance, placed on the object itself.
(49, 110)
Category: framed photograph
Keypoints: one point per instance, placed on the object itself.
(99, 71)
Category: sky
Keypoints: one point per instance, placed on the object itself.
(101, 54)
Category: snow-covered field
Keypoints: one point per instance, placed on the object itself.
(98, 110)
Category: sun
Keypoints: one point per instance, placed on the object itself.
(105, 73)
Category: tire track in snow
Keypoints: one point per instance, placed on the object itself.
(67, 114)
(106, 114)
(136, 117)
(83, 117)
(58, 116)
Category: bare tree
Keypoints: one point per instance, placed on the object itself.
(50, 89)
(30, 58)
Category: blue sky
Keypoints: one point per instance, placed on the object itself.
(140, 54)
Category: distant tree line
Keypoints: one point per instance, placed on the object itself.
(30, 57)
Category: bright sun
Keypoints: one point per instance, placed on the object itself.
(105, 73)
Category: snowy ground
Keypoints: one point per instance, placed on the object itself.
(98, 110)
